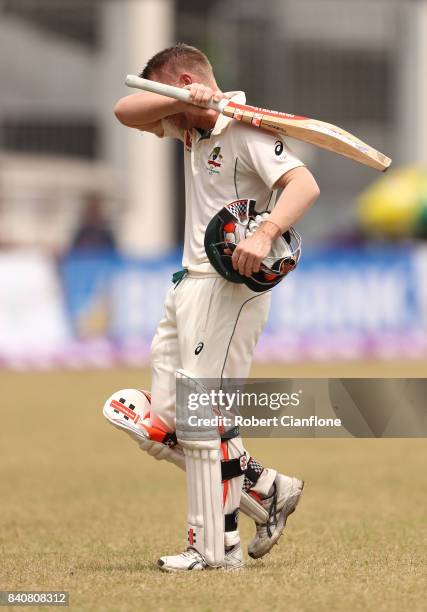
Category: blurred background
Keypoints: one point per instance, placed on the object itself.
(91, 221)
(91, 213)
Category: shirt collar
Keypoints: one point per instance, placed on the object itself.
(222, 122)
(239, 97)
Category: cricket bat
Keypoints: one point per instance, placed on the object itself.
(318, 133)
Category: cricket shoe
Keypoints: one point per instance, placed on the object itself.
(187, 561)
(190, 560)
(286, 495)
(233, 558)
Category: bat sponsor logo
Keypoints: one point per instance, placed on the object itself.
(240, 109)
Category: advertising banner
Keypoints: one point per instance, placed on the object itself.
(347, 303)
(33, 321)
(100, 309)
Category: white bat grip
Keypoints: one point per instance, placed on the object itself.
(168, 90)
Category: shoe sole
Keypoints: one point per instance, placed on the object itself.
(171, 570)
(224, 568)
(233, 568)
(205, 569)
(288, 509)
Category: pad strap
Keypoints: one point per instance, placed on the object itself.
(170, 440)
(230, 434)
(158, 435)
(233, 468)
(231, 521)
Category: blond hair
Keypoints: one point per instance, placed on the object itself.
(178, 58)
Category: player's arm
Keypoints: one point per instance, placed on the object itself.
(300, 191)
(145, 111)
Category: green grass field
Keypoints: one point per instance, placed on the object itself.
(83, 509)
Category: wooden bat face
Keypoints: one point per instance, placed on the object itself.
(319, 133)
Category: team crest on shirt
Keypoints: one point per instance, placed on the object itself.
(214, 161)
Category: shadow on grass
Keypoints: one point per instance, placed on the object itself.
(130, 567)
(133, 567)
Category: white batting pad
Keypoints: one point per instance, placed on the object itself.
(201, 445)
(205, 512)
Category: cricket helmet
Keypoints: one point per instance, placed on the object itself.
(237, 221)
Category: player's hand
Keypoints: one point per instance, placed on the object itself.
(250, 252)
(200, 116)
(201, 95)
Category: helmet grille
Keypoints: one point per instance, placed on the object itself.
(240, 209)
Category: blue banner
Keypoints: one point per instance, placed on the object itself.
(353, 302)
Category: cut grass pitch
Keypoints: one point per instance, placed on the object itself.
(84, 510)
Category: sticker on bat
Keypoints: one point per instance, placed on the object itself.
(256, 119)
(267, 112)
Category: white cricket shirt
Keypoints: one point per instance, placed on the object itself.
(231, 162)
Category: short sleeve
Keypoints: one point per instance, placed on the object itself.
(266, 154)
(170, 130)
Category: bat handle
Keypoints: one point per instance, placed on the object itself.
(168, 90)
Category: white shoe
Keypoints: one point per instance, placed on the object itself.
(190, 559)
(193, 560)
(233, 558)
(285, 498)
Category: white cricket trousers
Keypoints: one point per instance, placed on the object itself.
(210, 329)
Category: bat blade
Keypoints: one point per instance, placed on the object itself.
(313, 131)
(319, 133)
